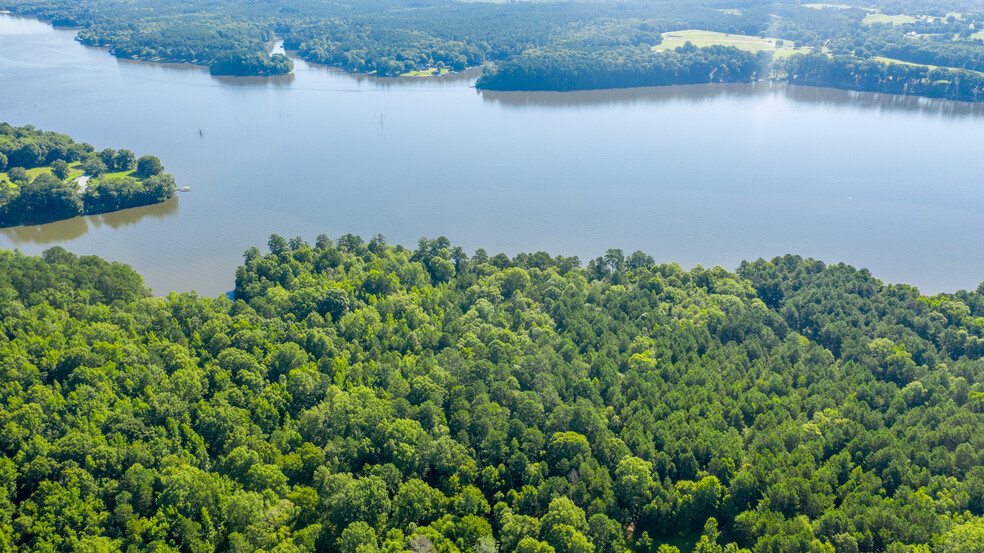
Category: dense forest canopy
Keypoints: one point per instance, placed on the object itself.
(40, 178)
(554, 45)
(364, 397)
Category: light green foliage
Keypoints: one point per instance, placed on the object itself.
(965, 538)
(790, 406)
(633, 484)
(532, 545)
(517, 528)
(566, 539)
(417, 503)
(514, 279)
(358, 537)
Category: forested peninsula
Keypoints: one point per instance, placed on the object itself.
(46, 176)
(913, 47)
(364, 397)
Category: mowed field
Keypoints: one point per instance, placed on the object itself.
(75, 170)
(901, 19)
(710, 38)
(873, 18)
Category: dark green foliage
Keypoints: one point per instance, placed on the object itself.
(17, 174)
(621, 68)
(148, 166)
(112, 194)
(850, 73)
(28, 147)
(124, 160)
(364, 397)
(60, 169)
(240, 63)
(94, 166)
(45, 198)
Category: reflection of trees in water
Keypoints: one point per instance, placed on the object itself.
(126, 217)
(707, 92)
(70, 229)
(172, 67)
(59, 231)
(272, 81)
(467, 76)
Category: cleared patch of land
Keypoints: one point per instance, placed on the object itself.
(116, 174)
(748, 43)
(74, 171)
(873, 18)
(822, 6)
(432, 72)
(900, 62)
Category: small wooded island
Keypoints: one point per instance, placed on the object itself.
(46, 176)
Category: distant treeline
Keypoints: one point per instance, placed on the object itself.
(850, 73)
(387, 37)
(623, 68)
(540, 45)
(570, 70)
(117, 179)
(965, 55)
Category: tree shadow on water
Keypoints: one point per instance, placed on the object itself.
(70, 229)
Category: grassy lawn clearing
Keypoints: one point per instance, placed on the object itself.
(873, 18)
(432, 72)
(710, 38)
(74, 171)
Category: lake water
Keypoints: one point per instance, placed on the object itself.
(704, 175)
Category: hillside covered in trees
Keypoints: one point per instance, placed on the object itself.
(39, 172)
(363, 397)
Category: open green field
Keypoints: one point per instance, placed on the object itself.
(873, 18)
(117, 174)
(742, 42)
(900, 62)
(822, 6)
(432, 72)
(75, 171)
(893, 60)
(877, 17)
